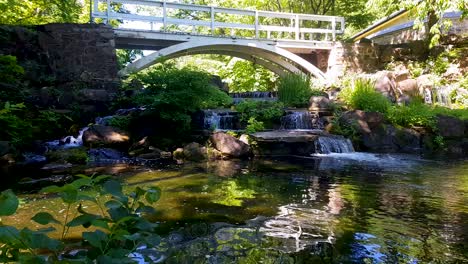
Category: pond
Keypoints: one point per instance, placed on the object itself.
(339, 208)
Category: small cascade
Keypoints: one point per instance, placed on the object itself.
(220, 119)
(326, 145)
(442, 95)
(260, 96)
(68, 141)
(301, 120)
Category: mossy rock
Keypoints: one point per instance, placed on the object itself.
(71, 155)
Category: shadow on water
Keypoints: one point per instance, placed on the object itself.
(351, 208)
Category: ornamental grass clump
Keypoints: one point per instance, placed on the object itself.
(363, 96)
(294, 90)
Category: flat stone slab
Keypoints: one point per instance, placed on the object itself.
(290, 136)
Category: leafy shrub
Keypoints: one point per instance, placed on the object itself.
(172, 95)
(264, 111)
(117, 231)
(245, 76)
(10, 71)
(14, 127)
(415, 114)
(71, 155)
(294, 90)
(363, 96)
(122, 122)
(254, 126)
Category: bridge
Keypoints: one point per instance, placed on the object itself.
(281, 42)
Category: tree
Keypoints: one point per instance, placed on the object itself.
(33, 12)
(431, 11)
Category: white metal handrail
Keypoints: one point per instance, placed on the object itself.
(298, 25)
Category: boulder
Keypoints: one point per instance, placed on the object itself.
(409, 87)
(402, 75)
(356, 119)
(386, 85)
(387, 138)
(5, 147)
(319, 103)
(178, 154)
(229, 145)
(94, 95)
(105, 136)
(448, 126)
(194, 152)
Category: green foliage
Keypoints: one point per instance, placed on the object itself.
(122, 122)
(294, 90)
(415, 114)
(264, 111)
(363, 96)
(10, 71)
(245, 76)
(71, 155)
(254, 126)
(126, 56)
(119, 230)
(173, 95)
(15, 128)
(34, 12)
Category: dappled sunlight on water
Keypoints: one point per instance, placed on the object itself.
(371, 210)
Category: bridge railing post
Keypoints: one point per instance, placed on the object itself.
(296, 24)
(212, 13)
(108, 10)
(256, 25)
(334, 28)
(164, 18)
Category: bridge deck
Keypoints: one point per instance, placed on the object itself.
(149, 24)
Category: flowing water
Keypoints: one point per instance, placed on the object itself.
(220, 119)
(301, 119)
(328, 208)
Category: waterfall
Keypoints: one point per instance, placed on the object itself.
(442, 95)
(68, 141)
(301, 120)
(220, 119)
(326, 145)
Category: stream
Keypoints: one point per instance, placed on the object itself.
(327, 208)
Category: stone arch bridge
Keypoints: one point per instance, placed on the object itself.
(281, 42)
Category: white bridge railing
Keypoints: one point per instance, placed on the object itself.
(216, 21)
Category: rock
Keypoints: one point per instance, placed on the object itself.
(194, 152)
(97, 154)
(356, 119)
(387, 138)
(5, 147)
(178, 154)
(105, 136)
(386, 85)
(244, 138)
(166, 155)
(151, 155)
(284, 142)
(54, 168)
(409, 87)
(402, 75)
(374, 119)
(320, 103)
(68, 155)
(93, 95)
(229, 145)
(448, 126)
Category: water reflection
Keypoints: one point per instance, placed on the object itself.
(376, 209)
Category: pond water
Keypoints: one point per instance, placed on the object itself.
(339, 208)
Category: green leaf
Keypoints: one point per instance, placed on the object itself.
(84, 220)
(51, 189)
(44, 218)
(69, 194)
(113, 188)
(118, 213)
(112, 204)
(38, 240)
(9, 235)
(96, 238)
(8, 203)
(102, 223)
(153, 194)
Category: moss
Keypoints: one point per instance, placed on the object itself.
(72, 155)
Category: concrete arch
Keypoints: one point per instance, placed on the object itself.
(285, 59)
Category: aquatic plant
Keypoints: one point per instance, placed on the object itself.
(117, 231)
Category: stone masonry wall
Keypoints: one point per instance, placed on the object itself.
(353, 57)
(84, 52)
